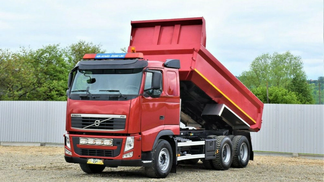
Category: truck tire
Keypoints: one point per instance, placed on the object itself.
(91, 168)
(224, 155)
(162, 159)
(241, 151)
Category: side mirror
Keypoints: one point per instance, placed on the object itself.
(91, 80)
(156, 81)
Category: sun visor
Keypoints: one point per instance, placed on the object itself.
(112, 64)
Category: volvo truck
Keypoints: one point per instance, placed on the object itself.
(166, 101)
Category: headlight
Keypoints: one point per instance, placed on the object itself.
(67, 141)
(129, 144)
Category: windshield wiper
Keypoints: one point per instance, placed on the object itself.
(87, 90)
(120, 94)
(79, 90)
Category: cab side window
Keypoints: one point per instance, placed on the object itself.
(148, 80)
(148, 85)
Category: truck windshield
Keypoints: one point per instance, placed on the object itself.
(114, 82)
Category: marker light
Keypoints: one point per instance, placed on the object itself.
(133, 49)
(108, 142)
(83, 141)
(91, 141)
(114, 56)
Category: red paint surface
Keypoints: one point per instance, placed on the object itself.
(185, 39)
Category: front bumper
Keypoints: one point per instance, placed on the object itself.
(111, 163)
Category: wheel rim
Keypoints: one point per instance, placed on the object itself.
(164, 159)
(243, 152)
(226, 153)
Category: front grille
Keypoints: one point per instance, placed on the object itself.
(98, 123)
(101, 153)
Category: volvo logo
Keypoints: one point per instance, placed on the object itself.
(97, 123)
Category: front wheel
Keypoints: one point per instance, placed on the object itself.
(91, 168)
(162, 160)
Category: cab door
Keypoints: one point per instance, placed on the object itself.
(153, 109)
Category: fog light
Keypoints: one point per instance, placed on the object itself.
(128, 155)
(68, 152)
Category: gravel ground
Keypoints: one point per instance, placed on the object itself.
(48, 164)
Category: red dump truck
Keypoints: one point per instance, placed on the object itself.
(166, 101)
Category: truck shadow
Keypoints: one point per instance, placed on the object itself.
(139, 172)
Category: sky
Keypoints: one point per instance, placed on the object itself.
(237, 31)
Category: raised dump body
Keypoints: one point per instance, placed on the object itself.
(209, 92)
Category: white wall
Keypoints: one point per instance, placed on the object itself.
(291, 128)
(285, 128)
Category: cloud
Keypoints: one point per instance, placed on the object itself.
(237, 31)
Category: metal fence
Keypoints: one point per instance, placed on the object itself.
(32, 121)
(291, 128)
(285, 128)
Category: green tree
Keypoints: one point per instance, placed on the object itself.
(281, 71)
(51, 71)
(34, 75)
(317, 87)
(16, 74)
(75, 52)
(276, 95)
(303, 90)
(40, 74)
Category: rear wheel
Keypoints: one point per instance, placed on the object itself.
(162, 160)
(224, 154)
(91, 168)
(241, 151)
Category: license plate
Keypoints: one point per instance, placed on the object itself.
(95, 161)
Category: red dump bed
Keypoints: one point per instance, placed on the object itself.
(185, 39)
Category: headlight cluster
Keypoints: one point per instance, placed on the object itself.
(129, 144)
(96, 141)
(67, 141)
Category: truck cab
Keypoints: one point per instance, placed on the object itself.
(118, 101)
